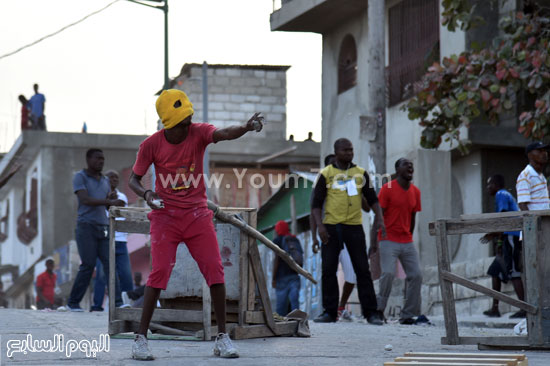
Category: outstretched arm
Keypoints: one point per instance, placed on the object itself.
(234, 132)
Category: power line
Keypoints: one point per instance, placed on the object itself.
(57, 32)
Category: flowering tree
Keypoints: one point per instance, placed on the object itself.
(488, 83)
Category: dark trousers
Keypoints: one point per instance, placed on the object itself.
(123, 276)
(92, 242)
(353, 237)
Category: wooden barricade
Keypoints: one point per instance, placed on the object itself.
(536, 271)
(459, 359)
(186, 304)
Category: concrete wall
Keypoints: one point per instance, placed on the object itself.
(236, 92)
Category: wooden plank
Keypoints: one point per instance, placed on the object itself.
(396, 363)
(504, 214)
(455, 227)
(119, 326)
(127, 226)
(259, 331)
(255, 317)
(543, 274)
(112, 273)
(130, 213)
(443, 262)
(531, 236)
(515, 356)
(504, 361)
(161, 315)
(243, 272)
(206, 311)
(262, 288)
(251, 296)
(496, 341)
(171, 331)
(489, 292)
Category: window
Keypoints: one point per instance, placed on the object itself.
(347, 64)
(413, 45)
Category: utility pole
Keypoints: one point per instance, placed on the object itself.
(164, 8)
(376, 100)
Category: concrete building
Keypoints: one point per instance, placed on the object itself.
(452, 184)
(39, 208)
(235, 92)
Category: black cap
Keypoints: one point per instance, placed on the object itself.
(535, 146)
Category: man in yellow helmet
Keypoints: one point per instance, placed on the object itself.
(180, 212)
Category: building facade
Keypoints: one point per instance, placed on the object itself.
(452, 184)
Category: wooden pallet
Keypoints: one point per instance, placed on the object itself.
(186, 304)
(459, 359)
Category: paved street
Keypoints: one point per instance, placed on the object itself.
(331, 344)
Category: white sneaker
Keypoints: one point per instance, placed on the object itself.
(224, 348)
(345, 316)
(140, 349)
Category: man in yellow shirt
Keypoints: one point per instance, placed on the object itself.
(340, 188)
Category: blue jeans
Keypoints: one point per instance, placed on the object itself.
(287, 289)
(123, 277)
(93, 243)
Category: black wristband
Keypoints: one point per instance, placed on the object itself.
(145, 194)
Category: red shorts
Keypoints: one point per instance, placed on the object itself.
(172, 225)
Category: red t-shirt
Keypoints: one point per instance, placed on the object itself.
(178, 168)
(46, 282)
(398, 205)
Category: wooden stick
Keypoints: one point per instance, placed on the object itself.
(233, 220)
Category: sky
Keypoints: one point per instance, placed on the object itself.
(106, 70)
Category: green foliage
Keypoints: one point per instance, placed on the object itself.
(486, 83)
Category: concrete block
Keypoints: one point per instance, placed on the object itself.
(271, 75)
(248, 107)
(215, 106)
(430, 275)
(275, 117)
(259, 73)
(237, 98)
(273, 83)
(233, 72)
(278, 92)
(247, 73)
(221, 72)
(463, 307)
(459, 268)
(222, 81)
(271, 100)
(265, 108)
(248, 90)
(219, 97)
(232, 106)
(265, 91)
(221, 115)
(279, 109)
(239, 116)
(475, 269)
(196, 71)
(217, 123)
(215, 89)
(253, 98)
(236, 82)
(254, 82)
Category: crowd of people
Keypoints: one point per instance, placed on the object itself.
(342, 191)
(32, 111)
